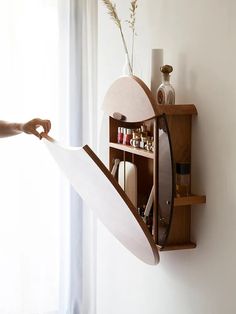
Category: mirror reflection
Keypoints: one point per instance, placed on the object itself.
(166, 182)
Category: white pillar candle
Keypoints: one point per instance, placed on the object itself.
(156, 63)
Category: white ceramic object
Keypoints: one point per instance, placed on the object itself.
(127, 178)
(157, 63)
(102, 194)
(129, 99)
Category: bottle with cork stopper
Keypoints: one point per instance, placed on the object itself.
(165, 92)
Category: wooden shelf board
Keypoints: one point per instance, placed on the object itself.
(133, 150)
(173, 247)
(172, 110)
(189, 200)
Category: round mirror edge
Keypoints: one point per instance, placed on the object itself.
(163, 116)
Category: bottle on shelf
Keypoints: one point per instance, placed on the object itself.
(165, 92)
(135, 141)
(183, 179)
(127, 135)
(120, 135)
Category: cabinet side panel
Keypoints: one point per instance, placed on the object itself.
(180, 134)
(180, 226)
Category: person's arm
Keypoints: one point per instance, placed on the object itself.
(30, 127)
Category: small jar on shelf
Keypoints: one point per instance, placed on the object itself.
(183, 179)
(127, 136)
(143, 141)
(135, 141)
(120, 135)
(149, 145)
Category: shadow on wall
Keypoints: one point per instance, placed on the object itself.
(186, 80)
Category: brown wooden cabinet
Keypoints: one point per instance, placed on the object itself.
(167, 221)
(170, 126)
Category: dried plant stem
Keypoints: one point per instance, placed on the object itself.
(132, 51)
(114, 16)
(131, 23)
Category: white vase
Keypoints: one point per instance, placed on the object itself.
(127, 70)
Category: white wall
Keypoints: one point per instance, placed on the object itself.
(199, 40)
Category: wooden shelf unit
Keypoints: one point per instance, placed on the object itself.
(130, 103)
(179, 118)
(180, 127)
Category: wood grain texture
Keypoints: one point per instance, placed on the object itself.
(133, 150)
(190, 200)
(177, 110)
(131, 98)
(180, 127)
(183, 246)
(180, 226)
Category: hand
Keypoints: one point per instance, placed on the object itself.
(31, 126)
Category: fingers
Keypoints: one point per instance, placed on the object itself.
(46, 124)
(31, 127)
(47, 137)
(36, 133)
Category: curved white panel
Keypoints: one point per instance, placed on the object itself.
(130, 97)
(92, 180)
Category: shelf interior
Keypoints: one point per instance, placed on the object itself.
(133, 150)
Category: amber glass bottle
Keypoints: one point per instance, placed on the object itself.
(183, 179)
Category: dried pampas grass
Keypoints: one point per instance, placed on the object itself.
(111, 7)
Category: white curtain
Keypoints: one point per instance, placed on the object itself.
(47, 70)
(79, 31)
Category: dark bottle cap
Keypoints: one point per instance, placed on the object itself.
(183, 167)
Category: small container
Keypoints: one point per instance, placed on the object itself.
(135, 141)
(149, 145)
(183, 170)
(143, 142)
(144, 132)
(124, 135)
(127, 136)
(120, 135)
(141, 210)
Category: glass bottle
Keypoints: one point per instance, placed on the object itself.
(120, 135)
(183, 179)
(127, 136)
(165, 92)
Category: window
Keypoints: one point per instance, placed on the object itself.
(29, 185)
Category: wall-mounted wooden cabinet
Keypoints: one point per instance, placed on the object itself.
(141, 209)
(170, 126)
